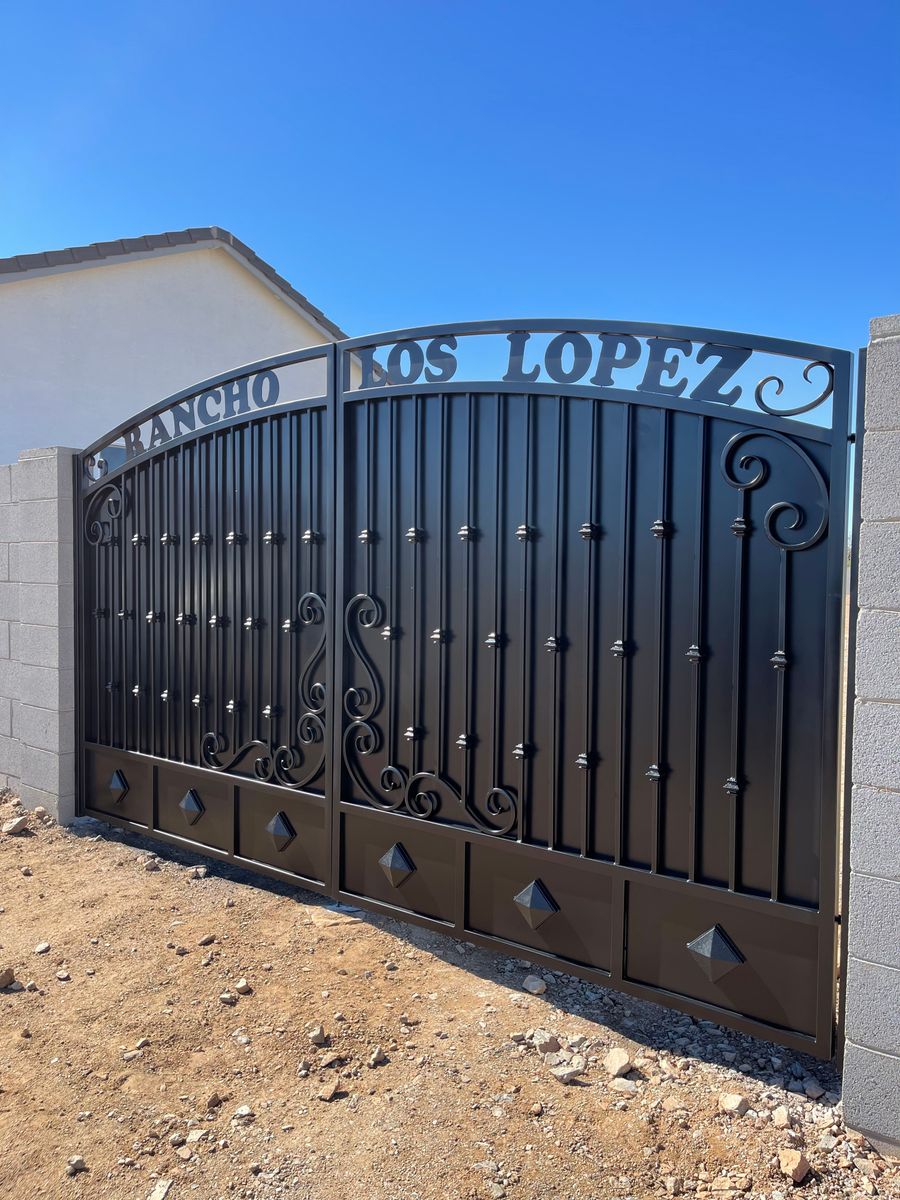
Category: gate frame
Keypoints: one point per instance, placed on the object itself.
(336, 357)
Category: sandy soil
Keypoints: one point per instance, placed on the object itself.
(116, 1046)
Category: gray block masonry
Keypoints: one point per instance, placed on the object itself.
(871, 1087)
(37, 631)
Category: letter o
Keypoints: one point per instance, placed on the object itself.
(264, 397)
(581, 348)
(396, 374)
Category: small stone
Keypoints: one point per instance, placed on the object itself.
(184, 1153)
(40, 812)
(330, 1091)
(628, 1086)
(534, 985)
(793, 1164)
(377, 1057)
(813, 1089)
(31, 986)
(42, 948)
(207, 939)
(7, 977)
(674, 1185)
(27, 872)
(63, 976)
(142, 1043)
(150, 864)
(537, 1109)
(228, 998)
(570, 1071)
(75, 1165)
(618, 1061)
(16, 825)
(176, 1139)
(544, 1043)
(198, 873)
(196, 1135)
(733, 1104)
(25, 1033)
(318, 1036)
(495, 1190)
(781, 1118)
(161, 1189)
(213, 1101)
(243, 987)
(243, 1114)
(130, 1055)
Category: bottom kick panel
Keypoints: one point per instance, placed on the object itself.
(276, 830)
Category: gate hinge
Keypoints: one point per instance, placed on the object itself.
(837, 918)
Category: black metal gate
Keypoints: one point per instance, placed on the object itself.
(530, 632)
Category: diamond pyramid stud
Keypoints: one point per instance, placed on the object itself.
(397, 865)
(192, 807)
(281, 831)
(715, 953)
(535, 904)
(118, 786)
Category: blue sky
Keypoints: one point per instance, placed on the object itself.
(731, 164)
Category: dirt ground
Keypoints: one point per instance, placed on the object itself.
(117, 1046)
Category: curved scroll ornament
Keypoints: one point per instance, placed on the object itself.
(106, 505)
(784, 515)
(364, 611)
(779, 388)
(423, 794)
(280, 764)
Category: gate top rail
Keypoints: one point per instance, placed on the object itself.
(693, 367)
(676, 365)
(252, 390)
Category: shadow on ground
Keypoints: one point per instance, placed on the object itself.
(661, 1029)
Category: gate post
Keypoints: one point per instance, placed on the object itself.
(872, 1047)
(37, 634)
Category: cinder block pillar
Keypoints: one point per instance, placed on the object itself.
(871, 1087)
(37, 630)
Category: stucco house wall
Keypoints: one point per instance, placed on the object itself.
(84, 345)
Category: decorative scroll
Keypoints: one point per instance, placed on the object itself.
(779, 388)
(423, 794)
(784, 515)
(364, 702)
(276, 765)
(104, 508)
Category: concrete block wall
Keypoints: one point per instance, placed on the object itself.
(871, 1085)
(37, 630)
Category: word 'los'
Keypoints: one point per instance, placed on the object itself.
(407, 362)
(231, 400)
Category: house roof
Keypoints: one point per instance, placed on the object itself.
(158, 243)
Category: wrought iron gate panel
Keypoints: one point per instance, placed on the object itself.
(203, 595)
(547, 660)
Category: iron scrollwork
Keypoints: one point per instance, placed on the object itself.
(779, 388)
(423, 793)
(750, 471)
(278, 763)
(105, 507)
